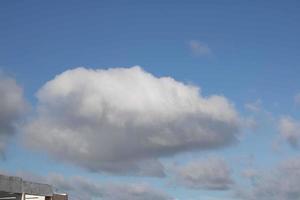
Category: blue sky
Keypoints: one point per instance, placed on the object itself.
(246, 51)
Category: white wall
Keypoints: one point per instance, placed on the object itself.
(34, 197)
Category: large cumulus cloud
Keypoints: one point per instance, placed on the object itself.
(122, 120)
(12, 107)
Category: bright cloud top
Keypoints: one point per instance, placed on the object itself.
(122, 120)
(12, 107)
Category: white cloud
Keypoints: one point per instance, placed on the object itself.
(211, 174)
(290, 130)
(122, 120)
(199, 48)
(280, 183)
(12, 107)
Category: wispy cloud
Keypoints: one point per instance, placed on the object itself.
(297, 99)
(281, 182)
(199, 48)
(255, 106)
(290, 130)
(209, 174)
